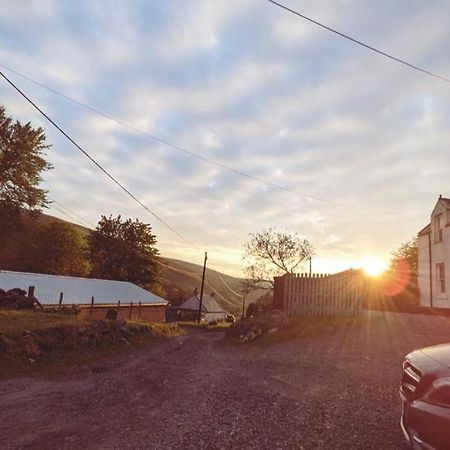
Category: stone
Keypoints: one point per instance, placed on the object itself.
(30, 346)
(111, 314)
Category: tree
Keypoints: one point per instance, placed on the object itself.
(405, 260)
(22, 151)
(271, 253)
(60, 250)
(124, 250)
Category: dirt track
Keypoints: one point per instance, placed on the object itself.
(335, 390)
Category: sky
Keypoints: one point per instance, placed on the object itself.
(359, 143)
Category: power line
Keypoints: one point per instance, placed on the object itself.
(356, 41)
(85, 153)
(73, 215)
(200, 157)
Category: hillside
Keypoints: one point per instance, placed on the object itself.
(178, 278)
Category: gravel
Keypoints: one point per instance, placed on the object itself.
(335, 390)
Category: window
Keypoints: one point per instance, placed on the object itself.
(438, 228)
(440, 268)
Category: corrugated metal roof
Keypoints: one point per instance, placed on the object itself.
(209, 304)
(77, 290)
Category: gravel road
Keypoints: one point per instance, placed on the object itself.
(335, 390)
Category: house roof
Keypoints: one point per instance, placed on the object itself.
(209, 304)
(425, 230)
(445, 201)
(77, 290)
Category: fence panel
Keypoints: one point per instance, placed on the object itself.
(320, 295)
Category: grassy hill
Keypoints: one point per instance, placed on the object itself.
(178, 278)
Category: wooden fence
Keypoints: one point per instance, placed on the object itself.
(340, 294)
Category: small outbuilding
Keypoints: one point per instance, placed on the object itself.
(94, 296)
(211, 310)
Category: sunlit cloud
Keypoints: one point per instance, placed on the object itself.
(255, 89)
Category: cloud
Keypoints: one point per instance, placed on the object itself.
(256, 89)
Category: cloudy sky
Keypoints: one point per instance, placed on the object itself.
(363, 141)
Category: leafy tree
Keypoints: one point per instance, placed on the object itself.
(60, 250)
(271, 253)
(124, 250)
(406, 260)
(22, 151)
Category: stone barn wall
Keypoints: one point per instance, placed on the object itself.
(147, 313)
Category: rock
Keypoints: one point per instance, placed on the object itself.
(7, 345)
(99, 369)
(111, 314)
(269, 322)
(30, 346)
(125, 331)
(92, 340)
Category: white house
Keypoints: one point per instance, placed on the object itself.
(211, 310)
(434, 258)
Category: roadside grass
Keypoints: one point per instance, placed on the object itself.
(307, 327)
(63, 362)
(13, 322)
(311, 327)
(66, 358)
(203, 325)
(159, 329)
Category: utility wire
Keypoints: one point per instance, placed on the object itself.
(356, 41)
(196, 155)
(73, 215)
(85, 153)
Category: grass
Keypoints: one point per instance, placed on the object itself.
(14, 322)
(62, 361)
(203, 325)
(311, 327)
(306, 328)
(159, 330)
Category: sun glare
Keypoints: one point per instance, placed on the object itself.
(374, 268)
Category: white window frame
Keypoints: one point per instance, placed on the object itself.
(440, 278)
(438, 228)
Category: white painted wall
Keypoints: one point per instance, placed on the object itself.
(424, 271)
(440, 253)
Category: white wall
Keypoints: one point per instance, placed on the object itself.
(440, 253)
(424, 271)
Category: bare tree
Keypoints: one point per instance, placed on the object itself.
(272, 253)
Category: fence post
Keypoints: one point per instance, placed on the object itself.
(61, 297)
(131, 309)
(92, 307)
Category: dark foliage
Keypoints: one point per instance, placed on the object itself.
(124, 250)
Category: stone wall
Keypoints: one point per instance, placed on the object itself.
(147, 313)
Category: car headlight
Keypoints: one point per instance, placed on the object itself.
(439, 393)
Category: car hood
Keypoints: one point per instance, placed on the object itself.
(440, 353)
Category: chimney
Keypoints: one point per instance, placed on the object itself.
(440, 196)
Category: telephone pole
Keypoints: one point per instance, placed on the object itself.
(201, 289)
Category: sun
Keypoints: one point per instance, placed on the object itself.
(374, 267)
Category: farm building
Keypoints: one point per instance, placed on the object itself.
(211, 310)
(434, 257)
(93, 296)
